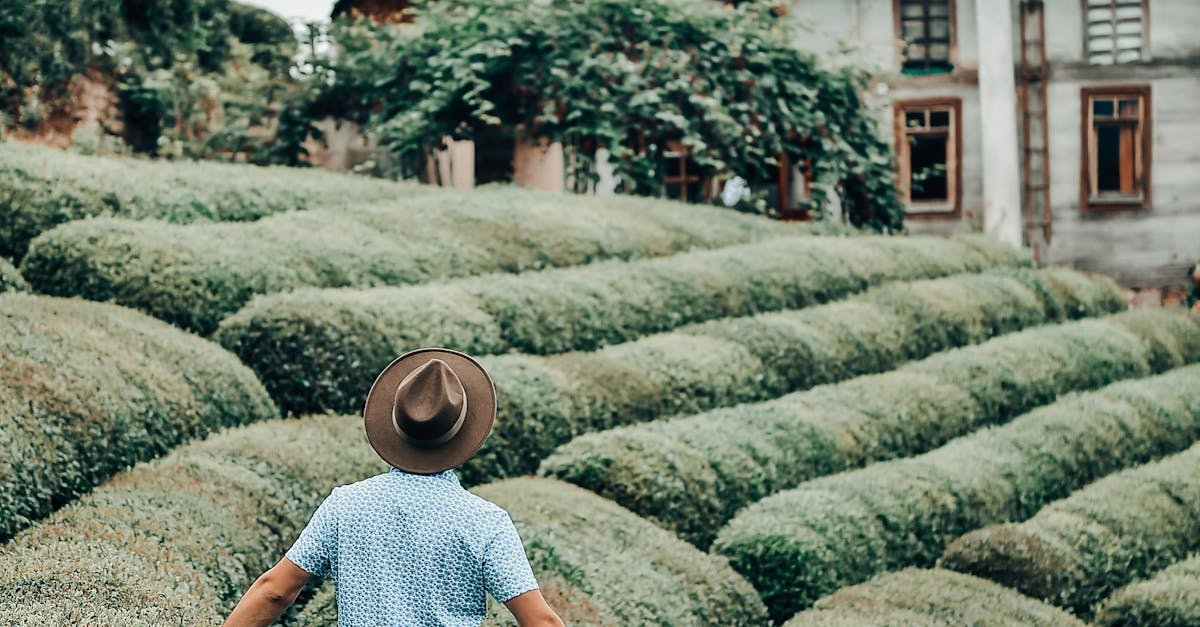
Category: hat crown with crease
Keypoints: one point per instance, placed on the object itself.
(430, 404)
(430, 410)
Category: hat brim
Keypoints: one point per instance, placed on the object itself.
(477, 425)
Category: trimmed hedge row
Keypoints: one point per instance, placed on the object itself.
(930, 598)
(42, 187)
(87, 389)
(10, 279)
(1080, 549)
(177, 540)
(803, 543)
(195, 275)
(598, 564)
(1170, 598)
(545, 401)
(314, 348)
(693, 474)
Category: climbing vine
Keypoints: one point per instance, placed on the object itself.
(731, 84)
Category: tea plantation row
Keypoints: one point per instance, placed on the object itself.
(42, 187)
(314, 348)
(196, 274)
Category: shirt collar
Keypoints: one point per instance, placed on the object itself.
(445, 475)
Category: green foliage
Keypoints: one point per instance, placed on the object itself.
(87, 389)
(930, 598)
(305, 343)
(545, 401)
(729, 84)
(42, 187)
(195, 275)
(800, 544)
(181, 68)
(1170, 598)
(694, 473)
(10, 279)
(1125, 527)
(176, 540)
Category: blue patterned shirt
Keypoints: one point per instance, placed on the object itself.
(411, 550)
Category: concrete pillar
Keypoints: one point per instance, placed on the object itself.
(1002, 215)
(539, 165)
(455, 164)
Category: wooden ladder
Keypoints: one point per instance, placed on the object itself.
(1035, 138)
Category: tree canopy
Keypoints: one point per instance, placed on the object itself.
(731, 84)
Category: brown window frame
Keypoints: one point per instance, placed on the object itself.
(789, 209)
(1087, 200)
(898, 27)
(953, 206)
(681, 153)
(1145, 4)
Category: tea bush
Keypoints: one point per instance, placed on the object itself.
(1171, 598)
(195, 275)
(802, 543)
(87, 389)
(692, 474)
(43, 187)
(314, 349)
(1080, 549)
(10, 279)
(545, 401)
(178, 539)
(930, 598)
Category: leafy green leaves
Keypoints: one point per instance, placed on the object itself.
(728, 84)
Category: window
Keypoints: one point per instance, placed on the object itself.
(1116, 147)
(1115, 30)
(681, 175)
(927, 29)
(927, 148)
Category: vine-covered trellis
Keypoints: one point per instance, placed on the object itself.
(732, 84)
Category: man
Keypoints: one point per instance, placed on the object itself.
(411, 547)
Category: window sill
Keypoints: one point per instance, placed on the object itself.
(930, 210)
(1102, 205)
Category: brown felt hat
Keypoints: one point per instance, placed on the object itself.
(430, 410)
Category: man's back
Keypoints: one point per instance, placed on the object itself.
(409, 549)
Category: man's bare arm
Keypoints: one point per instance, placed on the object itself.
(269, 596)
(531, 610)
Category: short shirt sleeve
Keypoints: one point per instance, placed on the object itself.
(506, 570)
(315, 549)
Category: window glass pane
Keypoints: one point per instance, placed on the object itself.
(909, 8)
(914, 119)
(939, 52)
(927, 164)
(912, 30)
(939, 119)
(939, 29)
(939, 8)
(1100, 29)
(1130, 12)
(1128, 107)
(1128, 56)
(1102, 108)
(1100, 44)
(1100, 59)
(1108, 158)
(916, 52)
(674, 165)
(1130, 28)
